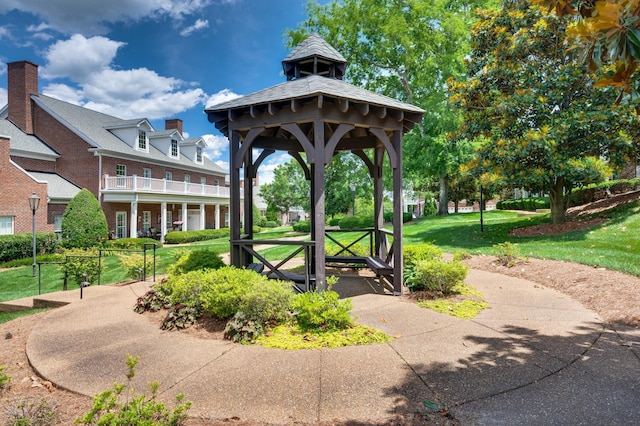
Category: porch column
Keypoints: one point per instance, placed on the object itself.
(380, 249)
(184, 217)
(397, 215)
(133, 220)
(317, 209)
(163, 219)
(202, 217)
(217, 217)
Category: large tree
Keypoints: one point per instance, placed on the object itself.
(406, 50)
(288, 189)
(607, 34)
(547, 126)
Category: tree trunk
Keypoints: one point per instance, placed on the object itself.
(556, 199)
(443, 199)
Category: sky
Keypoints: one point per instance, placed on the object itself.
(154, 59)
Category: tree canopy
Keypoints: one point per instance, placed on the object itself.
(607, 35)
(546, 125)
(406, 50)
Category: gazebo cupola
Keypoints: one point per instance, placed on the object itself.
(313, 116)
(314, 56)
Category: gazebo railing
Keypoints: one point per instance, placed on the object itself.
(346, 250)
(304, 247)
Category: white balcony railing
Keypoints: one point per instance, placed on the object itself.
(162, 186)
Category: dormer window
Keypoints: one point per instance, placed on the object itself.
(174, 148)
(198, 155)
(142, 140)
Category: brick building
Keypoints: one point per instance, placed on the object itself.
(148, 181)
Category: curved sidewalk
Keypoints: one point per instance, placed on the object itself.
(535, 357)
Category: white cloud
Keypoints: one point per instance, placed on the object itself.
(92, 16)
(140, 92)
(216, 145)
(3, 97)
(78, 58)
(223, 164)
(5, 33)
(64, 93)
(265, 171)
(222, 96)
(198, 25)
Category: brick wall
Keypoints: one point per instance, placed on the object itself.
(15, 191)
(76, 163)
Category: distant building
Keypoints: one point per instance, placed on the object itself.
(148, 181)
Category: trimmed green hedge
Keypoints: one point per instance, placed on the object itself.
(302, 226)
(406, 217)
(181, 237)
(530, 204)
(19, 246)
(590, 193)
(132, 243)
(355, 222)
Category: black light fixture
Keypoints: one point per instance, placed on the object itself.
(34, 203)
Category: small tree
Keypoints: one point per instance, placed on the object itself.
(84, 224)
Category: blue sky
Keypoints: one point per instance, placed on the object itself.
(155, 59)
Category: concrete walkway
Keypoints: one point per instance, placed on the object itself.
(535, 357)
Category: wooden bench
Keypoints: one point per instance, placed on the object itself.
(379, 266)
(347, 260)
(255, 267)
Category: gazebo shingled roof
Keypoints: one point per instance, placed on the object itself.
(315, 113)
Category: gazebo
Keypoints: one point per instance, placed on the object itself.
(312, 116)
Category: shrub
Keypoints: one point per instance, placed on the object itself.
(194, 260)
(437, 275)
(223, 289)
(153, 300)
(460, 255)
(84, 224)
(507, 254)
(5, 379)
(185, 288)
(335, 221)
(20, 246)
(81, 265)
(529, 204)
(388, 217)
(322, 311)
(132, 243)
(589, 193)
(117, 406)
(181, 316)
(414, 253)
(242, 328)
(268, 302)
(181, 237)
(133, 264)
(430, 207)
(270, 224)
(302, 226)
(30, 412)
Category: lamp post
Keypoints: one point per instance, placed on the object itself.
(34, 203)
(352, 187)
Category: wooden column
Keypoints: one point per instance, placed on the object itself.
(397, 214)
(234, 202)
(378, 197)
(318, 205)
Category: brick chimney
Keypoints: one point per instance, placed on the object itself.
(22, 83)
(173, 123)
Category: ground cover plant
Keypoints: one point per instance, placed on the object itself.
(257, 309)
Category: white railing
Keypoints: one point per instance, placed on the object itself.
(162, 186)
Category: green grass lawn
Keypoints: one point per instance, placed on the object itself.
(614, 245)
